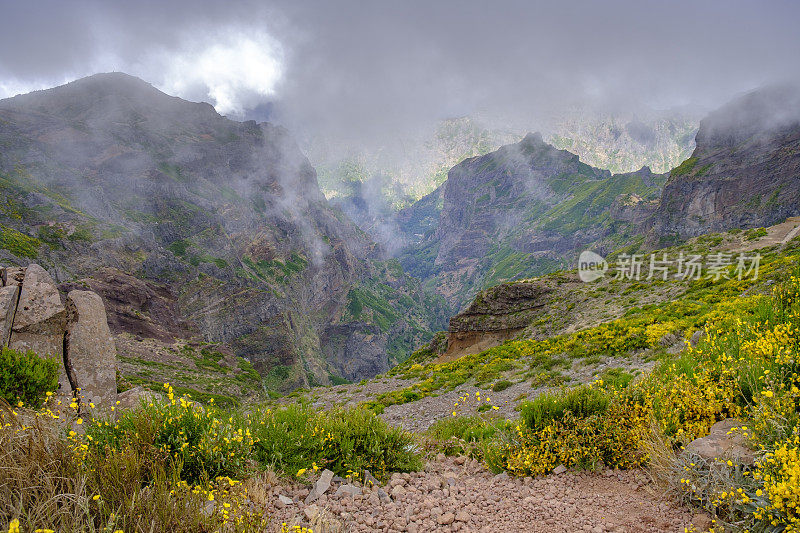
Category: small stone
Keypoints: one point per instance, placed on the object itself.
(285, 500)
(348, 490)
(560, 469)
(383, 496)
(446, 519)
(311, 512)
(462, 516)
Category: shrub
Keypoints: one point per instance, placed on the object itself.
(295, 438)
(26, 377)
(580, 402)
(51, 482)
(501, 385)
(201, 442)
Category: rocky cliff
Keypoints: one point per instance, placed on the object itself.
(216, 229)
(744, 171)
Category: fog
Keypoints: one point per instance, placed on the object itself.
(366, 73)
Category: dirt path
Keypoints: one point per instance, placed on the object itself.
(779, 234)
(458, 494)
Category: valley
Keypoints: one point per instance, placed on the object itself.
(266, 333)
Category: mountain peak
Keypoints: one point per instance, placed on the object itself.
(533, 139)
(106, 93)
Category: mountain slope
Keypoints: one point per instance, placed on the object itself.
(744, 172)
(227, 217)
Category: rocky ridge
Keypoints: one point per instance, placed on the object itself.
(216, 228)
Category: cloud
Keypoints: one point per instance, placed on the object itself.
(370, 72)
(237, 72)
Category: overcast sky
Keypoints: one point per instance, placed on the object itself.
(361, 70)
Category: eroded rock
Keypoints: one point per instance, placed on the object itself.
(41, 320)
(91, 353)
(8, 306)
(723, 442)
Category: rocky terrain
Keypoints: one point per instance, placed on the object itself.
(194, 227)
(458, 494)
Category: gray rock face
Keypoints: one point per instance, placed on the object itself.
(91, 352)
(8, 306)
(40, 320)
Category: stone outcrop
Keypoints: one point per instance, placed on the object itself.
(41, 320)
(91, 353)
(494, 316)
(33, 318)
(9, 296)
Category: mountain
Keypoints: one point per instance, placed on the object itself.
(218, 227)
(744, 171)
(374, 187)
(523, 210)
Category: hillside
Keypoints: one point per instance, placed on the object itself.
(218, 227)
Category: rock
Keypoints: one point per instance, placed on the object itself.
(133, 398)
(91, 353)
(502, 476)
(320, 487)
(446, 519)
(721, 443)
(462, 516)
(398, 490)
(348, 490)
(383, 496)
(311, 512)
(369, 479)
(696, 337)
(560, 469)
(41, 320)
(8, 306)
(285, 500)
(13, 276)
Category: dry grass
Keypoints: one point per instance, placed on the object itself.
(48, 482)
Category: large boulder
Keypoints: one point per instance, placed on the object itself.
(723, 442)
(40, 320)
(8, 307)
(91, 352)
